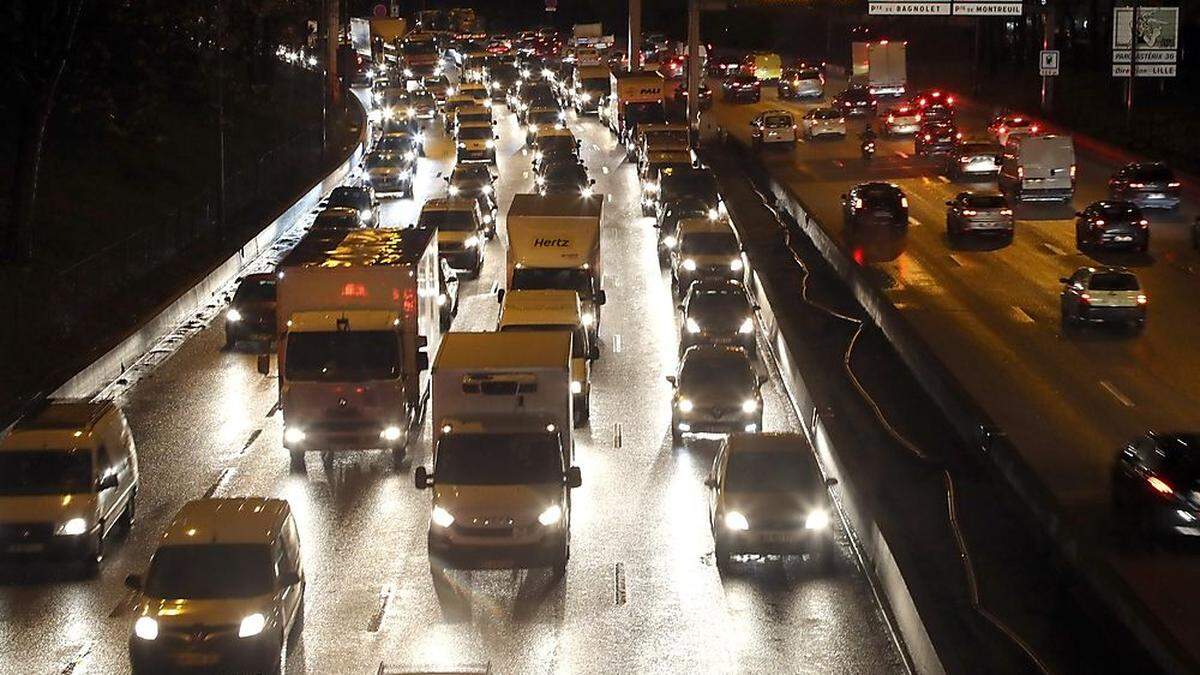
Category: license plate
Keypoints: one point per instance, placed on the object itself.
(1122, 237)
(1157, 195)
(25, 548)
(778, 537)
(196, 659)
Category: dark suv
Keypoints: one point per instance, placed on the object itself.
(875, 204)
(1112, 224)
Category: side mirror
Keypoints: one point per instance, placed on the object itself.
(671, 379)
(756, 308)
(495, 138)
(289, 578)
(1079, 214)
(422, 360)
(574, 477)
(499, 295)
(594, 352)
(830, 482)
(845, 196)
(263, 364)
(710, 482)
(1064, 280)
(106, 482)
(591, 181)
(133, 582)
(601, 297)
(421, 478)
(949, 203)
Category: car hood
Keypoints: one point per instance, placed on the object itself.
(222, 612)
(521, 503)
(46, 508)
(774, 506)
(716, 393)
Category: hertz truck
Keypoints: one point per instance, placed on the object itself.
(554, 243)
(502, 448)
(556, 310)
(357, 311)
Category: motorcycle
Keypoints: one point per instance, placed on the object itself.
(868, 149)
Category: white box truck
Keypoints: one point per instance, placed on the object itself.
(635, 97)
(356, 312)
(881, 66)
(554, 243)
(1039, 168)
(502, 473)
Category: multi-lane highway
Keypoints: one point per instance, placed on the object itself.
(991, 313)
(641, 592)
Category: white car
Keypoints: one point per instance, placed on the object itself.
(823, 122)
(1004, 126)
(773, 126)
(902, 119)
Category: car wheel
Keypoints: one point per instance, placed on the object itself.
(91, 560)
(230, 341)
(1144, 246)
(297, 623)
(560, 565)
(1079, 242)
(722, 557)
(400, 457)
(297, 462)
(582, 414)
(676, 435)
(127, 516)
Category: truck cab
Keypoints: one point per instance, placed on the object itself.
(556, 310)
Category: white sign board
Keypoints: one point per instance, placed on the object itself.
(1155, 41)
(945, 7)
(929, 7)
(1048, 63)
(987, 8)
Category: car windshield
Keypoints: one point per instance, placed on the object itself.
(336, 219)
(711, 304)
(698, 184)
(600, 85)
(826, 114)
(667, 138)
(709, 243)
(548, 278)
(579, 336)
(460, 221)
(880, 195)
(1117, 210)
(342, 356)
(498, 459)
(348, 196)
(807, 74)
(437, 82)
(544, 117)
(724, 368)
(777, 121)
(986, 201)
(397, 144)
(1114, 281)
(769, 472)
(42, 472)
(649, 113)
(471, 173)
(475, 133)
(255, 290)
(978, 149)
(378, 160)
(210, 571)
(1152, 173)
(422, 48)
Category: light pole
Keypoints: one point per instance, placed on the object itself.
(635, 34)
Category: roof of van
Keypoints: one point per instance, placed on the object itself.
(359, 247)
(540, 307)
(61, 424)
(554, 205)
(357, 319)
(236, 520)
(448, 204)
(503, 350)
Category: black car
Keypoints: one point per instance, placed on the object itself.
(338, 218)
(358, 197)
(719, 312)
(716, 391)
(1112, 224)
(673, 211)
(542, 118)
(1156, 485)
(475, 181)
(696, 182)
(1103, 295)
(1150, 185)
(557, 153)
(251, 313)
(565, 179)
(856, 101)
(936, 138)
(742, 88)
(875, 204)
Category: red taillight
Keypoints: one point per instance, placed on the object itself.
(1173, 183)
(891, 118)
(1160, 486)
(928, 137)
(1034, 129)
(949, 100)
(353, 290)
(958, 135)
(1085, 298)
(918, 118)
(1144, 223)
(1020, 172)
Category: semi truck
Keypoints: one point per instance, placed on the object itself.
(554, 243)
(880, 65)
(502, 452)
(634, 97)
(357, 316)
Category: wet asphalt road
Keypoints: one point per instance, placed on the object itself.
(991, 313)
(641, 593)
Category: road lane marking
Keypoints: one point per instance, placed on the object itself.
(616, 343)
(274, 409)
(1053, 249)
(125, 604)
(524, 174)
(604, 169)
(902, 154)
(620, 595)
(914, 222)
(927, 180)
(385, 597)
(943, 179)
(226, 474)
(80, 655)
(1021, 315)
(1116, 394)
(957, 261)
(616, 434)
(250, 441)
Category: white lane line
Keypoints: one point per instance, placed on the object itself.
(616, 343)
(943, 179)
(385, 597)
(957, 261)
(902, 154)
(1021, 315)
(620, 595)
(524, 174)
(914, 222)
(1053, 249)
(604, 169)
(223, 479)
(927, 180)
(1116, 394)
(80, 655)
(616, 442)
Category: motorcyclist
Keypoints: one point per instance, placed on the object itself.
(868, 137)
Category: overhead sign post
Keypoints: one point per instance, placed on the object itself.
(1048, 63)
(1145, 44)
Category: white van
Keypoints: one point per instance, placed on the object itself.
(68, 478)
(1039, 168)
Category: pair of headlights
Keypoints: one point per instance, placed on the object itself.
(146, 627)
(685, 405)
(443, 518)
(745, 328)
(815, 520)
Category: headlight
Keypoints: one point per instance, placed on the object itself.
(453, 190)
(550, 516)
(390, 433)
(370, 73)
(420, 136)
(689, 265)
(146, 628)
(442, 299)
(736, 264)
(749, 405)
(233, 315)
(487, 219)
(685, 405)
(576, 387)
(487, 102)
(736, 521)
(471, 242)
(747, 326)
(462, 145)
(411, 155)
(585, 97)
(411, 111)
(540, 180)
(562, 116)
(74, 527)
(486, 189)
(713, 214)
(586, 193)
(588, 318)
(389, 112)
(533, 128)
(365, 214)
(524, 72)
(441, 517)
(650, 186)
(252, 625)
(450, 91)
(817, 520)
(669, 241)
(537, 156)
(489, 144)
(408, 72)
(692, 326)
(293, 435)
(546, 72)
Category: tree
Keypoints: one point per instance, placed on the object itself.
(39, 35)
